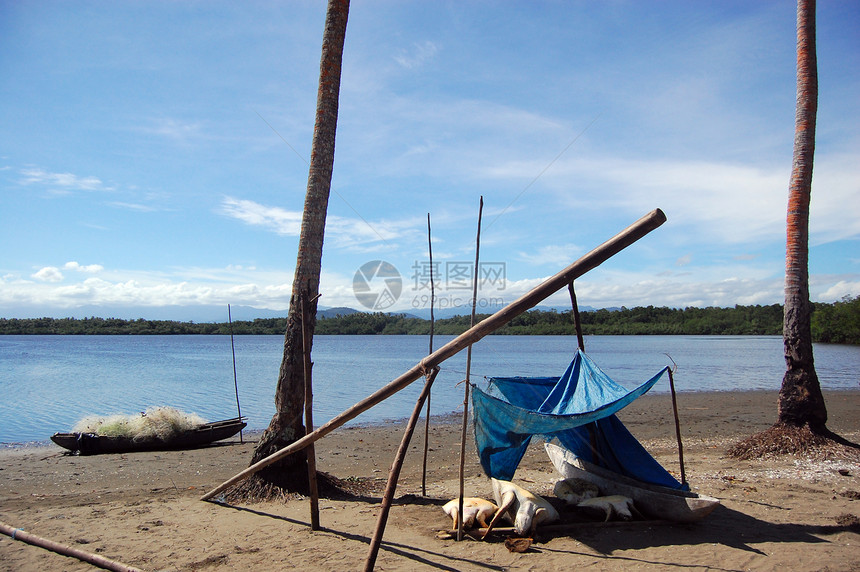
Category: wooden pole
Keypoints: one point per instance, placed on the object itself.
(577, 324)
(430, 351)
(534, 297)
(468, 380)
(394, 473)
(677, 427)
(309, 411)
(94, 559)
(235, 379)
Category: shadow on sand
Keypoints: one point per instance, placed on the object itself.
(724, 526)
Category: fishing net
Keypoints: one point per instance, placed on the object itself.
(156, 422)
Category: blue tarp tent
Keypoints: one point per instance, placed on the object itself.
(578, 409)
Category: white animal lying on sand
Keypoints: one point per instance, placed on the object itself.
(473, 509)
(615, 505)
(574, 491)
(529, 510)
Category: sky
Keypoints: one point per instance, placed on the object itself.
(154, 154)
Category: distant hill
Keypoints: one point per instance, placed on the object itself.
(335, 312)
(198, 314)
(444, 313)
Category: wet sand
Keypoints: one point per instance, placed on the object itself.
(142, 509)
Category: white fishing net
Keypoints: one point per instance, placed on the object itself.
(160, 422)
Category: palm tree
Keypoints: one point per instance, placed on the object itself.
(802, 415)
(287, 424)
(800, 399)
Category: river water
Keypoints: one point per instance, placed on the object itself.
(48, 383)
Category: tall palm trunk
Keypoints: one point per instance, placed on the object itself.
(286, 425)
(800, 398)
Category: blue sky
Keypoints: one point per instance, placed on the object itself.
(154, 154)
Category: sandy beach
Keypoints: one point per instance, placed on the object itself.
(143, 510)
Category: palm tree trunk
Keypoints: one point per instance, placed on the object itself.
(286, 425)
(800, 398)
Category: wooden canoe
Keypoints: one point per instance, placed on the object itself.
(653, 500)
(92, 444)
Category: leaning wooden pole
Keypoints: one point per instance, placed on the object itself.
(394, 473)
(534, 297)
(65, 550)
(468, 382)
(430, 351)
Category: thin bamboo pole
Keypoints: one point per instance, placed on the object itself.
(468, 379)
(309, 411)
(65, 550)
(576, 322)
(677, 427)
(430, 351)
(394, 473)
(235, 379)
(534, 297)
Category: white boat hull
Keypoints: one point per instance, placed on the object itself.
(653, 500)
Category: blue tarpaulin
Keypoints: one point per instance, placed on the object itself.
(577, 409)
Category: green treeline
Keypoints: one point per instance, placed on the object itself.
(116, 326)
(837, 323)
(740, 320)
(831, 323)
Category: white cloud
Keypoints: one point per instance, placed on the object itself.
(725, 202)
(729, 203)
(152, 291)
(559, 255)
(49, 274)
(65, 181)
(838, 291)
(652, 291)
(343, 232)
(460, 138)
(361, 234)
(281, 221)
(835, 185)
(134, 206)
(684, 260)
(271, 289)
(175, 129)
(89, 269)
(416, 55)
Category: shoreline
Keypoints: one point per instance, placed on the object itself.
(143, 509)
(456, 416)
(690, 397)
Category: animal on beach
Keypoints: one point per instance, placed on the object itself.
(474, 509)
(614, 505)
(574, 491)
(528, 509)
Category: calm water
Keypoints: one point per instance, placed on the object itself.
(49, 382)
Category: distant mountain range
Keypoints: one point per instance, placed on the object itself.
(199, 314)
(218, 314)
